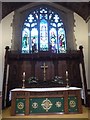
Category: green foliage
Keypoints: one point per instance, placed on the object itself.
(32, 80)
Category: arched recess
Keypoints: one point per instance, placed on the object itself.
(22, 13)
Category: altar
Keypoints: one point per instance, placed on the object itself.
(58, 100)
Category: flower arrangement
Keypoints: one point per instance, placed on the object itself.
(57, 79)
(32, 80)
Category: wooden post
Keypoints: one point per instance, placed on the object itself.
(4, 76)
(84, 75)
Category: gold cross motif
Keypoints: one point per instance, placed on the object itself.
(44, 67)
(46, 104)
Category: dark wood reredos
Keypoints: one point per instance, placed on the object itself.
(31, 65)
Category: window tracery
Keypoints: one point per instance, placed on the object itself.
(43, 30)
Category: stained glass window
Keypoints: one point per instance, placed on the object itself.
(25, 40)
(53, 40)
(43, 30)
(43, 35)
(34, 40)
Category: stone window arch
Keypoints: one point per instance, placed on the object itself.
(60, 16)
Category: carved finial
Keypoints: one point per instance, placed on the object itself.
(81, 50)
(7, 48)
(81, 47)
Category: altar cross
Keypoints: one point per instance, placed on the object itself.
(44, 67)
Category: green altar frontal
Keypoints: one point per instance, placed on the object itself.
(46, 105)
(47, 101)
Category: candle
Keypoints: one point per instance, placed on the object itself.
(66, 73)
(24, 74)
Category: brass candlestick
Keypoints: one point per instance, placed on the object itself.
(67, 83)
(67, 80)
(23, 80)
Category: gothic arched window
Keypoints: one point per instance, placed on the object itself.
(43, 30)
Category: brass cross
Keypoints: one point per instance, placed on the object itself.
(44, 67)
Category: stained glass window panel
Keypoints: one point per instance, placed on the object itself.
(43, 35)
(34, 40)
(25, 40)
(56, 18)
(61, 40)
(53, 40)
(30, 18)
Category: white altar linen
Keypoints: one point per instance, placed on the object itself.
(45, 89)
